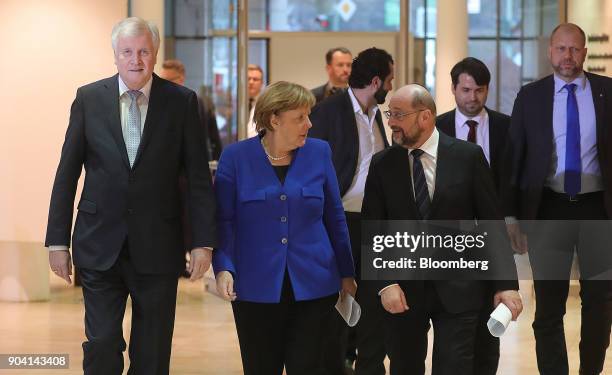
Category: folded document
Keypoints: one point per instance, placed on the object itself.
(349, 309)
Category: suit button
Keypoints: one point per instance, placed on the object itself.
(283, 197)
(283, 219)
(130, 211)
(284, 241)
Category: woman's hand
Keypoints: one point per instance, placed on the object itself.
(225, 285)
(349, 286)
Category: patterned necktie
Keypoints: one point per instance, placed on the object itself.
(421, 193)
(132, 130)
(472, 133)
(573, 164)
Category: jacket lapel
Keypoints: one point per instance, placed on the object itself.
(496, 138)
(399, 181)
(547, 111)
(111, 102)
(599, 98)
(448, 125)
(381, 128)
(443, 170)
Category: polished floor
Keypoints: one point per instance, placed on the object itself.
(205, 339)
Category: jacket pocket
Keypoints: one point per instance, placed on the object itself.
(87, 206)
(315, 192)
(252, 195)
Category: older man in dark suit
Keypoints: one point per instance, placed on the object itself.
(134, 133)
(428, 175)
(561, 175)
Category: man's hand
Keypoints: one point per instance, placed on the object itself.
(512, 300)
(518, 240)
(225, 285)
(199, 262)
(349, 286)
(394, 300)
(61, 264)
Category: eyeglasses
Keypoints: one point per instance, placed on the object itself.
(399, 115)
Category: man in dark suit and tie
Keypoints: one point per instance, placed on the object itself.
(473, 122)
(422, 164)
(338, 63)
(561, 175)
(352, 125)
(134, 133)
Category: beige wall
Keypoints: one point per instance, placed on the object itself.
(48, 49)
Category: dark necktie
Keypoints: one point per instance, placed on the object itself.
(573, 164)
(472, 133)
(421, 193)
(251, 100)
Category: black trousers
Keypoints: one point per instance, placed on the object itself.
(153, 307)
(486, 346)
(551, 251)
(454, 338)
(367, 337)
(287, 334)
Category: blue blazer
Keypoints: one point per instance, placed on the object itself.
(266, 228)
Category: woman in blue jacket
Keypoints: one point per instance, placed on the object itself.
(284, 247)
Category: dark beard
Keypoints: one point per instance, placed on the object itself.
(380, 95)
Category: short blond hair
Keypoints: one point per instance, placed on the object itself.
(280, 97)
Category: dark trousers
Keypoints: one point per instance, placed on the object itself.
(454, 337)
(367, 337)
(486, 347)
(551, 251)
(153, 306)
(287, 334)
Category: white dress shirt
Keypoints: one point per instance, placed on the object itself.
(370, 142)
(482, 129)
(124, 107)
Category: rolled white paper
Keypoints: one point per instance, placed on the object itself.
(500, 318)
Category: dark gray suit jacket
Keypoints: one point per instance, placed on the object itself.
(140, 205)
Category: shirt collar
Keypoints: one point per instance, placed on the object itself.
(357, 107)
(145, 90)
(580, 82)
(460, 118)
(430, 147)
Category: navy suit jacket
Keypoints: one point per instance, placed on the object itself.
(266, 227)
(528, 156)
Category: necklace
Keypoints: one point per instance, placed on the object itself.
(274, 158)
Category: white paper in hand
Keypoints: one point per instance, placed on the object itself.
(349, 310)
(499, 321)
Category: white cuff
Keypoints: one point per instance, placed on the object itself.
(511, 220)
(58, 247)
(383, 289)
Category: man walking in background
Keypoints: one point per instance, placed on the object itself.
(338, 62)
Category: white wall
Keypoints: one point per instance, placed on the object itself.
(48, 49)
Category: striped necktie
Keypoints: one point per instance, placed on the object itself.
(421, 193)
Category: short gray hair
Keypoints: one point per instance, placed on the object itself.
(134, 26)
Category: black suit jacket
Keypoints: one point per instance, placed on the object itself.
(139, 204)
(530, 147)
(333, 120)
(464, 190)
(498, 132)
(319, 92)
